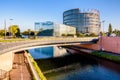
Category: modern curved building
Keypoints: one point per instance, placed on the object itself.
(85, 22)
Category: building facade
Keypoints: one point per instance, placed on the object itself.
(61, 29)
(85, 22)
(43, 25)
(53, 29)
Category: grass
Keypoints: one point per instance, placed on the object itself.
(12, 40)
(36, 67)
(107, 56)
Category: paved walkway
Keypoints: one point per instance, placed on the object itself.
(20, 69)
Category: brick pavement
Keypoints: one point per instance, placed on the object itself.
(20, 69)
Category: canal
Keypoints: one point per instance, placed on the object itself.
(57, 64)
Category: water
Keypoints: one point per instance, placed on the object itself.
(88, 73)
(47, 52)
(74, 67)
(43, 52)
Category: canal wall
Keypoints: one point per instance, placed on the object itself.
(111, 44)
(6, 61)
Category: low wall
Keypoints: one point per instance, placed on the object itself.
(111, 44)
(6, 61)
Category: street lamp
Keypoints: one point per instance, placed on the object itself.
(103, 25)
(5, 28)
(10, 28)
(101, 34)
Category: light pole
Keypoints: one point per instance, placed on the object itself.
(5, 28)
(10, 27)
(103, 25)
(101, 34)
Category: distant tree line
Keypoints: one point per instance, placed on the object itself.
(13, 31)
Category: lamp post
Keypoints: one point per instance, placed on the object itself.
(10, 28)
(5, 28)
(101, 34)
(103, 25)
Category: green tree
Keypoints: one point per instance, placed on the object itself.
(110, 29)
(117, 32)
(27, 32)
(2, 32)
(14, 29)
(30, 33)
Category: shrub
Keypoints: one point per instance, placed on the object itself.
(93, 35)
(80, 34)
(64, 35)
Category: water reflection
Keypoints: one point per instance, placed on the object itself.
(48, 52)
(73, 67)
(88, 73)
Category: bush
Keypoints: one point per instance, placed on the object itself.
(80, 35)
(93, 35)
(70, 34)
(64, 35)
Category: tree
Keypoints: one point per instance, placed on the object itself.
(117, 32)
(2, 32)
(32, 33)
(29, 33)
(110, 29)
(14, 29)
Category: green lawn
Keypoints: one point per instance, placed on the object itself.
(107, 56)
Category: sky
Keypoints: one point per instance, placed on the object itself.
(25, 12)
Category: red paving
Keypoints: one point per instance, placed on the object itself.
(20, 69)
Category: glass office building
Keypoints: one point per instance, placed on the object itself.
(43, 25)
(49, 28)
(60, 29)
(85, 22)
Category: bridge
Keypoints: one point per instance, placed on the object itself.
(23, 45)
(7, 49)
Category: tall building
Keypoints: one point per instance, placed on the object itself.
(85, 22)
(53, 29)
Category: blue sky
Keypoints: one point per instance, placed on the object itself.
(25, 12)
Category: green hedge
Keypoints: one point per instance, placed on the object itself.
(106, 55)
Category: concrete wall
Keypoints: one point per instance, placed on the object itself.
(6, 61)
(111, 44)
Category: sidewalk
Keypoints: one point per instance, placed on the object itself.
(20, 69)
